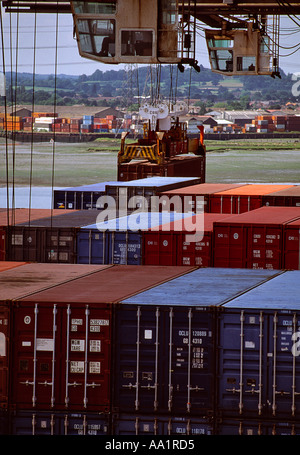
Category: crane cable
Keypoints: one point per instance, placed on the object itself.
(5, 114)
(54, 107)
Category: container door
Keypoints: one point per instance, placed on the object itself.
(36, 357)
(230, 246)
(91, 247)
(191, 361)
(125, 248)
(264, 247)
(138, 378)
(284, 365)
(242, 364)
(86, 351)
(60, 245)
(4, 355)
(24, 245)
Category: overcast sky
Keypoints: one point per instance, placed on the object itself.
(69, 60)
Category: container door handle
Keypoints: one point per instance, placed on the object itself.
(241, 362)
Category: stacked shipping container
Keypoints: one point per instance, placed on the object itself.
(223, 362)
(253, 239)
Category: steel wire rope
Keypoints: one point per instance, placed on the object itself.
(5, 113)
(54, 107)
(14, 91)
(32, 123)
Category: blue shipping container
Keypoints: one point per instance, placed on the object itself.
(79, 197)
(259, 364)
(165, 341)
(119, 240)
(137, 193)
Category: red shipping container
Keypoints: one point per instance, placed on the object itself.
(287, 197)
(252, 239)
(62, 338)
(190, 194)
(174, 244)
(61, 356)
(292, 245)
(18, 280)
(242, 199)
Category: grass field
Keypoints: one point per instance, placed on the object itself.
(81, 164)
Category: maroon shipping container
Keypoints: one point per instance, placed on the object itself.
(252, 239)
(292, 245)
(178, 166)
(191, 197)
(242, 199)
(61, 356)
(287, 197)
(18, 280)
(175, 244)
(15, 216)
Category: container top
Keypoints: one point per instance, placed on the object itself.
(111, 285)
(254, 190)
(279, 293)
(16, 216)
(68, 219)
(203, 188)
(155, 181)
(292, 191)
(137, 221)
(6, 265)
(264, 215)
(293, 224)
(192, 223)
(202, 287)
(93, 187)
(29, 278)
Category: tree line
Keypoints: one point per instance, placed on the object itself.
(126, 87)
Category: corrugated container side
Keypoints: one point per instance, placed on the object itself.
(180, 244)
(287, 197)
(253, 239)
(242, 199)
(202, 190)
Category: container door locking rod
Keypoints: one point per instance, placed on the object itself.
(171, 314)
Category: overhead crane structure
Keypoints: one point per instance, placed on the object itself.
(242, 36)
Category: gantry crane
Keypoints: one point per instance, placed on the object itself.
(239, 38)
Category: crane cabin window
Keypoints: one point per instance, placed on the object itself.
(137, 42)
(97, 36)
(246, 63)
(95, 7)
